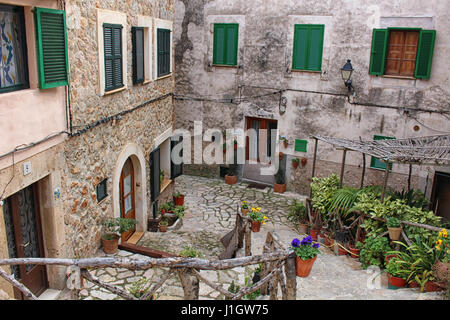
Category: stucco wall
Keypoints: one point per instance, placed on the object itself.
(316, 101)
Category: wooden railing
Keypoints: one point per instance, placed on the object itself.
(278, 269)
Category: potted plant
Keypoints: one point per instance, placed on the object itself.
(373, 251)
(178, 198)
(285, 141)
(231, 176)
(295, 162)
(397, 272)
(354, 251)
(163, 225)
(167, 207)
(244, 208)
(306, 252)
(394, 228)
(298, 215)
(303, 161)
(179, 211)
(257, 218)
(280, 155)
(280, 182)
(441, 269)
(114, 227)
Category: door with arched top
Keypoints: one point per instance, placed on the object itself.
(127, 195)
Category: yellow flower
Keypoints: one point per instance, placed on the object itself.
(263, 222)
(438, 248)
(439, 242)
(258, 209)
(245, 202)
(443, 233)
(264, 217)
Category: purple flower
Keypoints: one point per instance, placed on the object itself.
(316, 245)
(295, 243)
(306, 240)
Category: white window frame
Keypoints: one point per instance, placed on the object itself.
(112, 17)
(162, 24)
(146, 22)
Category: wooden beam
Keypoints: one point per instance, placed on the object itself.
(341, 180)
(149, 252)
(386, 176)
(17, 284)
(314, 163)
(363, 170)
(409, 177)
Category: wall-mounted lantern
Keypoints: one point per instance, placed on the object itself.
(346, 72)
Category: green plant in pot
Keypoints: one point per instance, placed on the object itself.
(178, 199)
(163, 224)
(179, 211)
(394, 227)
(280, 181)
(295, 162)
(298, 216)
(231, 176)
(167, 207)
(113, 229)
(373, 251)
(398, 272)
(306, 251)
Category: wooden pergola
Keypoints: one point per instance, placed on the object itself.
(431, 150)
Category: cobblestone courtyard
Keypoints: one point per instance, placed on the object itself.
(211, 207)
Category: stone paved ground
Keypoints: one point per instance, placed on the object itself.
(211, 207)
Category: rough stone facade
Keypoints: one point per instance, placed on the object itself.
(96, 154)
(316, 102)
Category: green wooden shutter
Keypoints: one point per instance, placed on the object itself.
(137, 35)
(376, 163)
(308, 47)
(112, 36)
(378, 51)
(51, 42)
(425, 54)
(176, 170)
(155, 184)
(163, 42)
(300, 145)
(225, 46)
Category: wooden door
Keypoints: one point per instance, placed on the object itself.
(402, 52)
(440, 197)
(258, 124)
(127, 196)
(24, 237)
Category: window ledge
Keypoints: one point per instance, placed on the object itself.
(308, 71)
(224, 66)
(164, 184)
(114, 91)
(398, 77)
(164, 77)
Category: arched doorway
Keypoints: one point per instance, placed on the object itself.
(127, 195)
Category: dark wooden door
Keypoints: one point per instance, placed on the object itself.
(24, 237)
(127, 195)
(441, 195)
(259, 124)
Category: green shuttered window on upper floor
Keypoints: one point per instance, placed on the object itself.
(225, 47)
(308, 47)
(51, 43)
(137, 35)
(112, 42)
(402, 52)
(376, 163)
(163, 47)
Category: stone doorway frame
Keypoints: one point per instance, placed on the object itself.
(135, 153)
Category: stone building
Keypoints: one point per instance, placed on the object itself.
(98, 142)
(277, 64)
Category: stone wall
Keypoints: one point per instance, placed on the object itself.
(94, 155)
(316, 102)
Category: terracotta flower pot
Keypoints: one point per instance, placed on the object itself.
(244, 211)
(327, 240)
(302, 228)
(313, 233)
(163, 228)
(303, 267)
(285, 144)
(396, 282)
(303, 161)
(280, 155)
(230, 179)
(354, 253)
(341, 251)
(279, 188)
(110, 246)
(413, 284)
(256, 226)
(431, 286)
(295, 164)
(179, 201)
(394, 233)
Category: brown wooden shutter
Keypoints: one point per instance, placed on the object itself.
(401, 53)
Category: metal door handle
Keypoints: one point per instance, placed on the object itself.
(25, 245)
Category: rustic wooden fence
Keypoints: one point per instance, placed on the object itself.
(277, 269)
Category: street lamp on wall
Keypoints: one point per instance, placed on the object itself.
(346, 72)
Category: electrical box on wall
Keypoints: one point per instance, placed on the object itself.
(26, 168)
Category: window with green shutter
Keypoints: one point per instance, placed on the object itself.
(308, 47)
(163, 49)
(137, 35)
(112, 36)
(51, 42)
(376, 163)
(404, 52)
(300, 145)
(225, 46)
